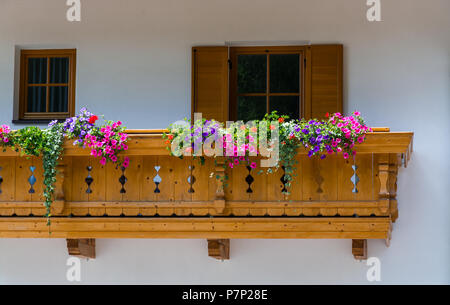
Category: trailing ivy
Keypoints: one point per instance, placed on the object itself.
(53, 139)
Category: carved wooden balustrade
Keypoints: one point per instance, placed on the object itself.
(160, 196)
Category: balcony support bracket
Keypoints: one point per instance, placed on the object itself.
(359, 249)
(83, 248)
(219, 248)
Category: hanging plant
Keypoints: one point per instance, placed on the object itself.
(105, 142)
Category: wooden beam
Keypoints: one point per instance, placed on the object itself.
(359, 248)
(204, 228)
(84, 248)
(219, 248)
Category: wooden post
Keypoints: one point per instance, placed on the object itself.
(84, 248)
(219, 248)
(359, 248)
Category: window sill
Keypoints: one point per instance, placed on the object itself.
(35, 121)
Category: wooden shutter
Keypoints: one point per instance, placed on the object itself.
(210, 82)
(323, 83)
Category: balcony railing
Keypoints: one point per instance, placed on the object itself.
(160, 196)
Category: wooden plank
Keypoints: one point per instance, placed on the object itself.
(147, 185)
(79, 174)
(153, 144)
(134, 178)
(213, 228)
(22, 174)
(8, 185)
(98, 185)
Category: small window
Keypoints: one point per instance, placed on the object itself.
(266, 79)
(47, 86)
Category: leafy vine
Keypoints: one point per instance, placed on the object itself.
(105, 142)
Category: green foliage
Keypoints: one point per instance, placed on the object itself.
(32, 141)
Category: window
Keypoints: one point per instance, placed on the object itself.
(246, 82)
(47, 84)
(266, 79)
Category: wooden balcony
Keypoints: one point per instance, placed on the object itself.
(160, 196)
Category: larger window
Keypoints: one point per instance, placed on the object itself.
(47, 86)
(265, 79)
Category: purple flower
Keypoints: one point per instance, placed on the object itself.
(323, 157)
(305, 131)
(52, 123)
(310, 153)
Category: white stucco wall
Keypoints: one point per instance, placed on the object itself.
(134, 65)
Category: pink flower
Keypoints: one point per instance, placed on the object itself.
(236, 161)
(360, 139)
(253, 165)
(103, 161)
(94, 153)
(231, 165)
(345, 155)
(357, 113)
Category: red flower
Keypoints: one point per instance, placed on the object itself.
(280, 120)
(327, 115)
(170, 137)
(93, 119)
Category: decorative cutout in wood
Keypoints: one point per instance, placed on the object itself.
(32, 180)
(123, 180)
(89, 180)
(249, 179)
(191, 179)
(355, 179)
(157, 180)
(1, 180)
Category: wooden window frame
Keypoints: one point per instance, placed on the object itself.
(23, 92)
(266, 50)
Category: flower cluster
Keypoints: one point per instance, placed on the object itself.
(5, 131)
(238, 142)
(335, 135)
(107, 142)
(79, 126)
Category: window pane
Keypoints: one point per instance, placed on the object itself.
(58, 99)
(285, 73)
(36, 99)
(251, 108)
(286, 105)
(252, 73)
(37, 70)
(59, 70)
